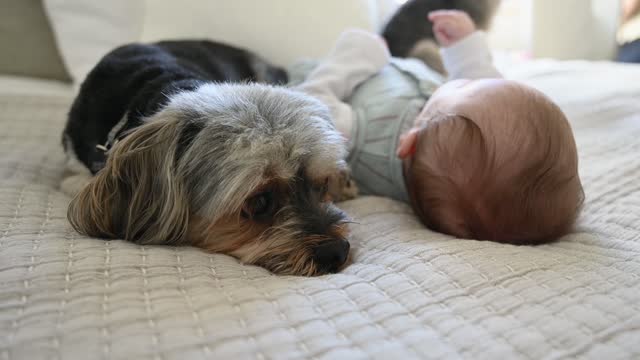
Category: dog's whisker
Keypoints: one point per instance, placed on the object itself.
(347, 222)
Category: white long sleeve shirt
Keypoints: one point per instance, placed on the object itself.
(358, 55)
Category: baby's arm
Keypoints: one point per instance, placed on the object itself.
(356, 56)
(465, 51)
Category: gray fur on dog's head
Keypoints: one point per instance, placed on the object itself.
(246, 131)
(237, 169)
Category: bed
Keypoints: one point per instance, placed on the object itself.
(409, 294)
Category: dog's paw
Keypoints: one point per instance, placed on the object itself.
(343, 187)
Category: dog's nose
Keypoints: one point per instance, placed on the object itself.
(330, 255)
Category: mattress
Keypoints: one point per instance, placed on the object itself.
(409, 294)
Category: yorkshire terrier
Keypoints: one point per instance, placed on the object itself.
(185, 149)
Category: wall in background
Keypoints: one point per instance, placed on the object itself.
(570, 29)
(512, 26)
(565, 29)
(280, 30)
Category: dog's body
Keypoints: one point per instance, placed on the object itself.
(134, 81)
(182, 158)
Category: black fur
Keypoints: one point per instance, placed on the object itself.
(319, 217)
(409, 24)
(187, 136)
(137, 80)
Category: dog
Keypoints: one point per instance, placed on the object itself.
(187, 148)
(409, 33)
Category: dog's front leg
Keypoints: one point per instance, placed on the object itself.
(343, 187)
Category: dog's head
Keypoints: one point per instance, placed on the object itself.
(236, 169)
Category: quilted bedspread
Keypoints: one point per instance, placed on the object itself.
(409, 294)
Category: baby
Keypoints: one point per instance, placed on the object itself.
(479, 157)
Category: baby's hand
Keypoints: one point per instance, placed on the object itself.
(451, 26)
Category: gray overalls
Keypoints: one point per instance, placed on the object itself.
(385, 107)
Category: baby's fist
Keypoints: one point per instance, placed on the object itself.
(451, 26)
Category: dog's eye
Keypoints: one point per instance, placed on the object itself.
(258, 206)
(323, 190)
(325, 187)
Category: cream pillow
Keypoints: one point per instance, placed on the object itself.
(86, 30)
(282, 31)
(27, 43)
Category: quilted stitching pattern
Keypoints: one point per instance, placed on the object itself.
(410, 293)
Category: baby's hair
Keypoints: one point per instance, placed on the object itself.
(464, 182)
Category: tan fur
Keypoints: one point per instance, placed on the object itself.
(116, 203)
(252, 243)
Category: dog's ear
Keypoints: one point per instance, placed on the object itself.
(267, 73)
(137, 196)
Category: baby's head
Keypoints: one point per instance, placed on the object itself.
(493, 160)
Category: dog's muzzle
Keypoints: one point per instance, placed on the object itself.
(329, 256)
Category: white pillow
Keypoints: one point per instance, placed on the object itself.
(282, 31)
(86, 30)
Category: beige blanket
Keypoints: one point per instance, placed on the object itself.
(410, 293)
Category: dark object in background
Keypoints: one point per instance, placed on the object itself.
(629, 33)
(410, 34)
(629, 52)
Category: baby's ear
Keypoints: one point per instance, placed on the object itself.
(408, 142)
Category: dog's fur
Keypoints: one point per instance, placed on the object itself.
(241, 169)
(410, 34)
